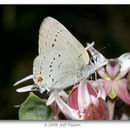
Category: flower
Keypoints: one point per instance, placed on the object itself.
(114, 77)
(85, 102)
(113, 73)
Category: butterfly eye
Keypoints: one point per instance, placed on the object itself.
(40, 79)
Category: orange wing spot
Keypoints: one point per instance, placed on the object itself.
(40, 79)
(40, 72)
(48, 88)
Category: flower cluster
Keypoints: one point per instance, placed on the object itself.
(87, 101)
(114, 77)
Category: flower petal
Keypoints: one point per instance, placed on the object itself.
(128, 80)
(101, 91)
(51, 98)
(122, 90)
(94, 100)
(73, 96)
(112, 68)
(107, 84)
(91, 88)
(83, 95)
(99, 59)
(102, 73)
(73, 99)
(125, 64)
(68, 111)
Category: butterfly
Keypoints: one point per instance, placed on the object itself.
(62, 59)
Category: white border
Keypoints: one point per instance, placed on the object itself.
(39, 125)
(84, 125)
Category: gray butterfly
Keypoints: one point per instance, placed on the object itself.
(62, 60)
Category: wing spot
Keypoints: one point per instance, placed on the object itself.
(50, 70)
(59, 65)
(59, 55)
(40, 79)
(54, 58)
(52, 45)
(52, 80)
(49, 75)
(54, 39)
(50, 66)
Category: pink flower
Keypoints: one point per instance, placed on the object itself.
(85, 102)
(114, 78)
(113, 73)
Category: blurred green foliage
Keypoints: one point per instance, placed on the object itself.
(19, 28)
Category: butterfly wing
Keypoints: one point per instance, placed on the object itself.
(61, 59)
(54, 36)
(58, 69)
(61, 56)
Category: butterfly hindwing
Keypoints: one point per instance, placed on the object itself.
(58, 69)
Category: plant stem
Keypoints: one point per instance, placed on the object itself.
(111, 106)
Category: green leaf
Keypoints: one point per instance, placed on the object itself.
(34, 108)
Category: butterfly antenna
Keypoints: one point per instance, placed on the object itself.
(104, 47)
(94, 54)
(23, 80)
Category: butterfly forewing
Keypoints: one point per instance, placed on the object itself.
(61, 56)
(54, 36)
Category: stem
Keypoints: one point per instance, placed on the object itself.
(111, 106)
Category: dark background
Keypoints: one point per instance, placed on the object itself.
(19, 28)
